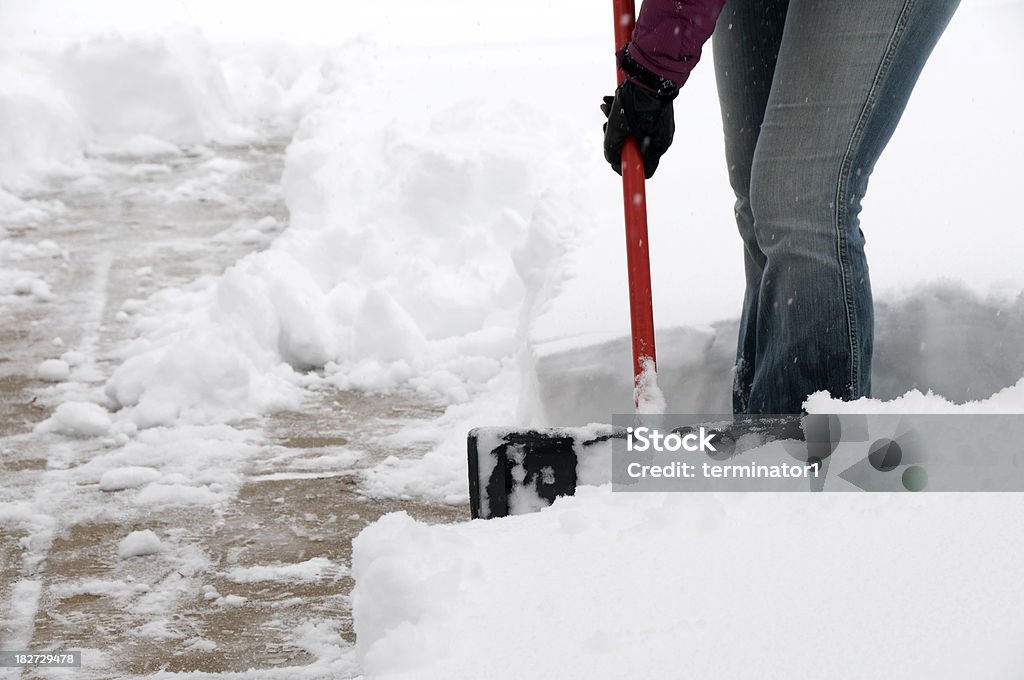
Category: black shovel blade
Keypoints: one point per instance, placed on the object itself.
(514, 472)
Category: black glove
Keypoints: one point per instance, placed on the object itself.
(639, 112)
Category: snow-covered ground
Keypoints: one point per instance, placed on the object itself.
(316, 206)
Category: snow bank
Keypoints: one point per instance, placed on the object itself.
(419, 247)
(272, 85)
(427, 244)
(167, 86)
(521, 597)
(105, 89)
(39, 128)
(136, 91)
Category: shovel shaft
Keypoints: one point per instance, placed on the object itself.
(634, 198)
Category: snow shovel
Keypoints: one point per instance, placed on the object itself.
(515, 471)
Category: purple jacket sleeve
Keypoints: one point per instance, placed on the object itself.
(669, 35)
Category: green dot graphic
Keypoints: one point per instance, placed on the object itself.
(915, 478)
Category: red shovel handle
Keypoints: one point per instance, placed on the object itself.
(634, 198)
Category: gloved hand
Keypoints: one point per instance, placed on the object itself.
(640, 113)
(642, 108)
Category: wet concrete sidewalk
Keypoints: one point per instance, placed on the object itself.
(221, 596)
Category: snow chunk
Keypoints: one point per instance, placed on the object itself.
(53, 370)
(77, 419)
(35, 287)
(41, 291)
(130, 477)
(198, 644)
(140, 543)
(73, 358)
(230, 601)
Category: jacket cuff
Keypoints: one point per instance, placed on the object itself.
(663, 88)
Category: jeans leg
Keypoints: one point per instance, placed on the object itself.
(746, 43)
(843, 76)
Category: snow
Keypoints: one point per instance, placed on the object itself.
(120, 590)
(647, 396)
(1008, 400)
(69, 91)
(140, 544)
(131, 477)
(73, 358)
(179, 466)
(20, 513)
(430, 292)
(176, 494)
(200, 645)
(230, 601)
(41, 130)
(53, 370)
(313, 569)
(166, 86)
(15, 251)
(194, 378)
(77, 419)
(643, 585)
(35, 287)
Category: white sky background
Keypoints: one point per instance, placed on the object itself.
(319, 21)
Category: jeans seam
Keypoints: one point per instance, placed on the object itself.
(842, 187)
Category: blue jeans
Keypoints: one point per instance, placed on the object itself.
(811, 91)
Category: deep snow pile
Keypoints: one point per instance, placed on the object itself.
(419, 249)
(706, 585)
(130, 91)
(414, 257)
(107, 89)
